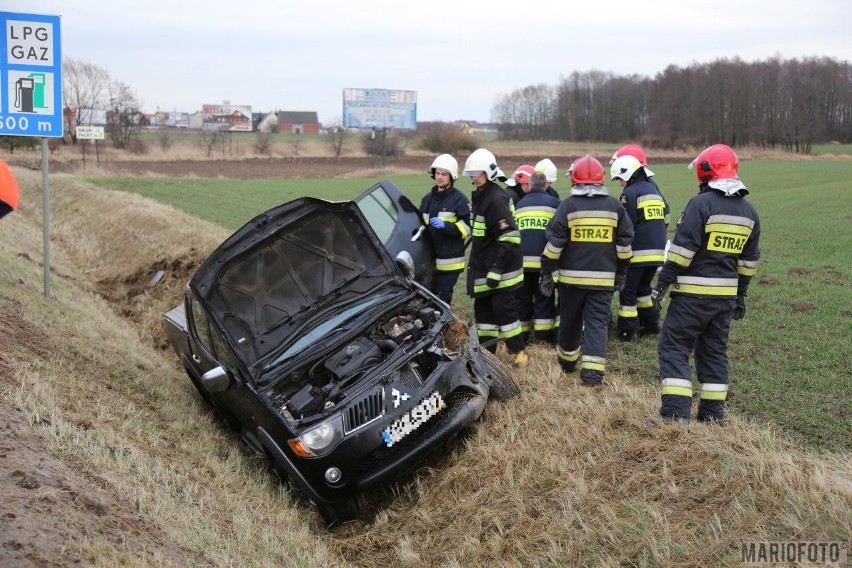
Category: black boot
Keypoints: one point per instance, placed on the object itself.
(651, 327)
(628, 335)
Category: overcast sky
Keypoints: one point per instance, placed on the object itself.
(458, 55)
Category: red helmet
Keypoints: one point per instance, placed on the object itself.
(587, 170)
(716, 162)
(631, 150)
(521, 175)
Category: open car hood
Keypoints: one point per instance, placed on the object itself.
(270, 277)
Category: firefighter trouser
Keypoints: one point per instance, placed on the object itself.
(583, 320)
(536, 312)
(443, 282)
(496, 316)
(699, 325)
(635, 306)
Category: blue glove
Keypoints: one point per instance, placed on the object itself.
(437, 222)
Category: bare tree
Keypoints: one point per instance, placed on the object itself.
(124, 116)
(296, 144)
(209, 138)
(84, 86)
(336, 137)
(166, 139)
(263, 143)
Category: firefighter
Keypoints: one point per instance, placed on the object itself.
(637, 152)
(446, 212)
(646, 209)
(8, 190)
(588, 249)
(534, 211)
(711, 261)
(519, 183)
(495, 268)
(548, 168)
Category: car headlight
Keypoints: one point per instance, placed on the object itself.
(320, 439)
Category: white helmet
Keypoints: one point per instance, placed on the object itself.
(548, 168)
(624, 167)
(447, 163)
(483, 161)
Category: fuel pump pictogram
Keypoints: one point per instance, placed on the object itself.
(29, 93)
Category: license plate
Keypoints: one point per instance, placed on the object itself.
(413, 419)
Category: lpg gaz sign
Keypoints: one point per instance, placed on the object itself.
(30, 76)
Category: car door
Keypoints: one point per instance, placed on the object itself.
(238, 402)
(396, 221)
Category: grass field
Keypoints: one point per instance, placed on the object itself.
(790, 358)
(560, 476)
(836, 149)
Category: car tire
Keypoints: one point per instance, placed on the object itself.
(503, 386)
(336, 513)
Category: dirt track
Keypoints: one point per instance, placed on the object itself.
(271, 168)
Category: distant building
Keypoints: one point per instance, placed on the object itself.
(298, 122)
(267, 122)
(473, 127)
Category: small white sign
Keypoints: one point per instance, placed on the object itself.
(90, 133)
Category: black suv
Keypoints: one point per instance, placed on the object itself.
(332, 359)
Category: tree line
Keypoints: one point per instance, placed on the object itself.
(788, 103)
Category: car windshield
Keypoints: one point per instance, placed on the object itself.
(336, 320)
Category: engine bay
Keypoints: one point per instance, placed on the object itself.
(325, 382)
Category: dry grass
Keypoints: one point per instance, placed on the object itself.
(561, 476)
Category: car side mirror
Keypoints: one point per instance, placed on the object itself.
(406, 264)
(216, 380)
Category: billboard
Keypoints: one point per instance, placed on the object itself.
(236, 118)
(379, 108)
(178, 119)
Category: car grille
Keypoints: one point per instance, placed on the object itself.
(365, 410)
(456, 400)
(409, 376)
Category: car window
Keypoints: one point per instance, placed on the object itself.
(223, 355)
(211, 341)
(380, 212)
(200, 327)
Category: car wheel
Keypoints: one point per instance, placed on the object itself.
(503, 386)
(336, 513)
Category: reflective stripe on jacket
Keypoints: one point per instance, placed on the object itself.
(496, 243)
(452, 206)
(590, 239)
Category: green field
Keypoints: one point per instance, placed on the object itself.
(836, 149)
(790, 356)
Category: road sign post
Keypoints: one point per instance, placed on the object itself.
(93, 133)
(31, 92)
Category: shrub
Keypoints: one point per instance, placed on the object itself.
(166, 139)
(386, 143)
(13, 142)
(263, 143)
(440, 138)
(137, 146)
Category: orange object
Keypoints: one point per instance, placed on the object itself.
(8, 190)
